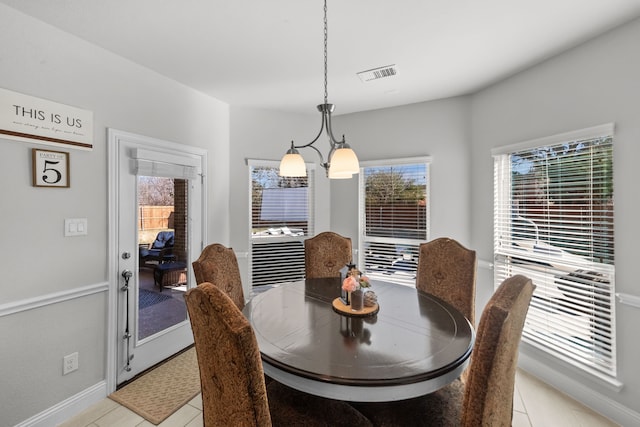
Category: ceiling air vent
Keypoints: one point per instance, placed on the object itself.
(378, 73)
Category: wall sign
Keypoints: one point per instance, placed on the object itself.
(50, 168)
(31, 119)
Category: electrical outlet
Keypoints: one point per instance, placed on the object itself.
(70, 363)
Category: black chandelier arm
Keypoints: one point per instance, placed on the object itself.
(310, 144)
(322, 162)
(332, 139)
(325, 109)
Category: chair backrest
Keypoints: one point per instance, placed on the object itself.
(325, 254)
(231, 374)
(447, 270)
(488, 396)
(218, 264)
(164, 239)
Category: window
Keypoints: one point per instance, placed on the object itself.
(281, 219)
(553, 222)
(394, 218)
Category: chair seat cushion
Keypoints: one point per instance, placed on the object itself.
(169, 266)
(170, 274)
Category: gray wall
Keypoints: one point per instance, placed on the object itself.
(439, 129)
(593, 84)
(44, 314)
(266, 135)
(596, 83)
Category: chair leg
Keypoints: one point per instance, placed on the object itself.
(157, 281)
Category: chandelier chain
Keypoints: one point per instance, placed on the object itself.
(341, 161)
(326, 33)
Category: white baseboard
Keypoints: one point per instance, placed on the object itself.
(68, 408)
(598, 402)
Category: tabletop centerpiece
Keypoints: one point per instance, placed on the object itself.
(353, 284)
(354, 300)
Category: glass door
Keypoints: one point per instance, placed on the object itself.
(159, 228)
(163, 242)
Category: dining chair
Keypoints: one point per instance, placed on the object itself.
(486, 398)
(218, 264)
(447, 270)
(325, 254)
(232, 377)
(158, 251)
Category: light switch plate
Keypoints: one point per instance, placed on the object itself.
(75, 227)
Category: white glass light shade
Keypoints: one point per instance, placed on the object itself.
(339, 175)
(292, 165)
(343, 161)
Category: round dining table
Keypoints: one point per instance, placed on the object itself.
(413, 345)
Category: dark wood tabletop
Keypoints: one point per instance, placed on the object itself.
(415, 344)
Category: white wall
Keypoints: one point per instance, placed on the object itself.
(39, 266)
(267, 135)
(593, 84)
(439, 129)
(596, 83)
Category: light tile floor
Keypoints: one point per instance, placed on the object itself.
(536, 404)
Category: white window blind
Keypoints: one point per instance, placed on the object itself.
(281, 219)
(394, 217)
(160, 164)
(553, 222)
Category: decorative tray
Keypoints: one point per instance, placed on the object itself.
(342, 308)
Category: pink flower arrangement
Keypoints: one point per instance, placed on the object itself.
(354, 281)
(349, 284)
(364, 282)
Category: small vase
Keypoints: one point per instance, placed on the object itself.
(357, 300)
(370, 299)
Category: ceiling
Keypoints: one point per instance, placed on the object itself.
(269, 54)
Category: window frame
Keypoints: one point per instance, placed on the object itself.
(284, 259)
(555, 319)
(411, 245)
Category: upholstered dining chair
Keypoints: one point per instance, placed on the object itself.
(218, 264)
(447, 270)
(325, 254)
(232, 378)
(486, 398)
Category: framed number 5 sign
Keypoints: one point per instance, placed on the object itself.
(50, 168)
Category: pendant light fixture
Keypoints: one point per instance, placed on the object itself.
(342, 162)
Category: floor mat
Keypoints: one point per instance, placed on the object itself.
(163, 390)
(148, 298)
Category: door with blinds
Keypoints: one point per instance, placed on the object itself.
(158, 221)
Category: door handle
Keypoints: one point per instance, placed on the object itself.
(127, 275)
(127, 335)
